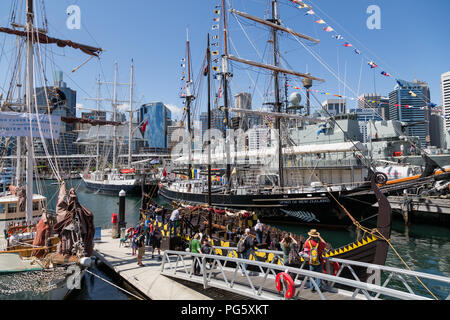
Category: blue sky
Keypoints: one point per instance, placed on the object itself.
(412, 42)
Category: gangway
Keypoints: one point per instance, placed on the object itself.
(227, 272)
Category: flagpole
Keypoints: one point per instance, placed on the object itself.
(189, 97)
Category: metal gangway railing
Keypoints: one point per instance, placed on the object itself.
(223, 272)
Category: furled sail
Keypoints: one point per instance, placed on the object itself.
(43, 38)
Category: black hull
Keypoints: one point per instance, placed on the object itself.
(315, 208)
(114, 189)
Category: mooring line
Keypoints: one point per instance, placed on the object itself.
(127, 292)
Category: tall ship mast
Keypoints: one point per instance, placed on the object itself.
(113, 180)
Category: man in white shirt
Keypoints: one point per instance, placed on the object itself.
(173, 221)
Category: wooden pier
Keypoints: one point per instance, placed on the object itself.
(148, 279)
(427, 208)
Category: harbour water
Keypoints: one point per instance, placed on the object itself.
(424, 248)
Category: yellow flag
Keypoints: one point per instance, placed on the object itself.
(412, 94)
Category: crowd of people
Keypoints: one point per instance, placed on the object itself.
(148, 234)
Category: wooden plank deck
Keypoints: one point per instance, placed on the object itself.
(148, 279)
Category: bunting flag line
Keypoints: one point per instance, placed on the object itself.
(302, 5)
(372, 64)
(321, 92)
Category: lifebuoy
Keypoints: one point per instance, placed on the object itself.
(287, 281)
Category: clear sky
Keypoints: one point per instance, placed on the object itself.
(412, 42)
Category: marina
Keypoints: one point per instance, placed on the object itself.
(222, 160)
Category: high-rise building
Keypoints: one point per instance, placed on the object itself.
(335, 106)
(62, 102)
(445, 92)
(171, 130)
(409, 103)
(55, 95)
(375, 101)
(243, 100)
(217, 120)
(159, 118)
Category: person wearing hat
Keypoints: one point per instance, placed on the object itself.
(314, 245)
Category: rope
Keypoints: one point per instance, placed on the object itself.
(380, 235)
(127, 292)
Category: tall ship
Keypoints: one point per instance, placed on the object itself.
(304, 171)
(111, 178)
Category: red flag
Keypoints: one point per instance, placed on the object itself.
(164, 172)
(144, 126)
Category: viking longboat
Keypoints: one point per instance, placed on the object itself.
(372, 247)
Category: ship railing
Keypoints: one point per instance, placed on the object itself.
(303, 188)
(224, 270)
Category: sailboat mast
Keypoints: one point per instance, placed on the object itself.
(208, 58)
(225, 92)
(130, 127)
(29, 99)
(275, 20)
(114, 115)
(19, 170)
(189, 98)
(98, 127)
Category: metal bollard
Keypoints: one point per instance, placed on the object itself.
(122, 223)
